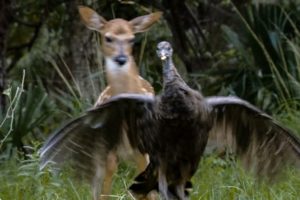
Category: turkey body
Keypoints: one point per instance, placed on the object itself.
(184, 122)
(188, 123)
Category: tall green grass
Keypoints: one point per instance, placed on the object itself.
(215, 179)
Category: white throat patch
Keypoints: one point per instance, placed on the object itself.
(114, 68)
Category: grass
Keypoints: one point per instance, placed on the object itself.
(215, 179)
(24, 180)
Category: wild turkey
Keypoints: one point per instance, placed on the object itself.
(173, 128)
(262, 144)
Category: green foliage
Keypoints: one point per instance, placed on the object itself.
(28, 113)
(262, 58)
(22, 179)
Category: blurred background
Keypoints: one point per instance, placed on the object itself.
(51, 66)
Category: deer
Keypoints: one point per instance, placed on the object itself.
(122, 75)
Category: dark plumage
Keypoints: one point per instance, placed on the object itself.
(173, 128)
(184, 121)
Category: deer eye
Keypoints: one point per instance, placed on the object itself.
(108, 39)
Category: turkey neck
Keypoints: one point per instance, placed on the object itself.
(170, 74)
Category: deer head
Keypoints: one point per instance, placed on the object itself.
(117, 34)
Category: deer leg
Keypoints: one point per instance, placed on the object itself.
(141, 160)
(111, 168)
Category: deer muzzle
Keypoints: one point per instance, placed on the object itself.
(120, 59)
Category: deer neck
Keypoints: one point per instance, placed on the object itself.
(122, 79)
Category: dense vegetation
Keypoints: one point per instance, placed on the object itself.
(51, 69)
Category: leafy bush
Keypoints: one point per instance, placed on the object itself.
(262, 58)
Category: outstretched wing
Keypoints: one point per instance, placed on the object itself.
(262, 144)
(85, 141)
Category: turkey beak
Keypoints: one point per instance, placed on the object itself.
(163, 55)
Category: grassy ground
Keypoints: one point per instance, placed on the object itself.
(215, 179)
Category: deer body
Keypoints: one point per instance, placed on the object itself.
(122, 76)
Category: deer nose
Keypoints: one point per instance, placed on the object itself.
(121, 59)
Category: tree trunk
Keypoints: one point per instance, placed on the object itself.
(81, 54)
(4, 22)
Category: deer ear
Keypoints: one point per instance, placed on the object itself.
(143, 23)
(91, 19)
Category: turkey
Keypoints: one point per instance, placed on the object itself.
(184, 120)
(259, 141)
